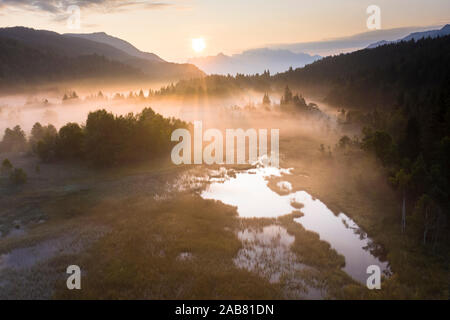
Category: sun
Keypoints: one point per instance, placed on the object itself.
(198, 44)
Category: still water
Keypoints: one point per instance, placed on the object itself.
(249, 192)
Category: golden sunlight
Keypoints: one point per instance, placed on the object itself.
(198, 44)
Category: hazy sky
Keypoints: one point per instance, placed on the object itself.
(166, 27)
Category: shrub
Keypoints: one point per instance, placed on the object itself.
(13, 140)
(41, 133)
(18, 176)
(46, 148)
(70, 141)
(6, 167)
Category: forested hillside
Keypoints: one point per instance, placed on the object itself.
(21, 64)
(28, 55)
(405, 72)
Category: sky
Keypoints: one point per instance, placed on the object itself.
(167, 27)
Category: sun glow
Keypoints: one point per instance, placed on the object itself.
(198, 44)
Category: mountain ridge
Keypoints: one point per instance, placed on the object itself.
(444, 31)
(53, 43)
(125, 46)
(253, 61)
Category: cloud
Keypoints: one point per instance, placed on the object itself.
(58, 8)
(350, 43)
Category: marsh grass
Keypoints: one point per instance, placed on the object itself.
(140, 258)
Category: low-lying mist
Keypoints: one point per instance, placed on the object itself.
(241, 111)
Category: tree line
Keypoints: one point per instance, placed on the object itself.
(104, 140)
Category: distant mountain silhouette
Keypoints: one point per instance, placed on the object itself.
(24, 65)
(117, 43)
(49, 41)
(52, 45)
(253, 61)
(416, 36)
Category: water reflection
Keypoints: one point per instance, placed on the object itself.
(267, 252)
(342, 233)
(249, 192)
